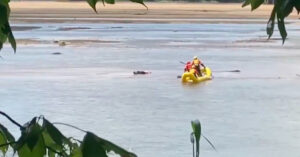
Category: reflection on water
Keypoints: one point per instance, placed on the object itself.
(252, 113)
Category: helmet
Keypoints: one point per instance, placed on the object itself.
(188, 62)
(195, 57)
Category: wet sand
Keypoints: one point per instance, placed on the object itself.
(125, 12)
(27, 16)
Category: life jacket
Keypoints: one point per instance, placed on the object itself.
(196, 62)
(188, 66)
(194, 71)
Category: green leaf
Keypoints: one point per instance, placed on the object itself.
(39, 149)
(24, 151)
(281, 27)
(280, 19)
(110, 1)
(7, 134)
(271, 23)
(297, 5)
(29, 134)
(4, 1)
(3, 21)
(4, 15)
(31, 142)
(5, 137)
(50, 153)
(34, 133)
(91, 147)
(287, 8)
(5, 29)
(93, 3)
(3, 140)
(256, 3)
(196, 125)
(3, 37)
(76, 151)
(11, 39)
(49, 142)
(246, 3)
(140, 2)
(54, 133)
(109, 146)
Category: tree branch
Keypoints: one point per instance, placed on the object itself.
(13, 121)
(72, 126)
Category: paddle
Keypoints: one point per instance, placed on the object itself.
(182, 62)
(233, 71)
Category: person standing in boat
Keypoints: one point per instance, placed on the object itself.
(197, 63)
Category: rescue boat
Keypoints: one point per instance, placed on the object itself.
(189, 77)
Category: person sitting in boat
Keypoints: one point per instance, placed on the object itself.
(194, 71)
(197, 63)
(188, 67)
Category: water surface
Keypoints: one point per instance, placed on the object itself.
(252, 113)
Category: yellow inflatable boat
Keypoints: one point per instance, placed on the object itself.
(189, 77)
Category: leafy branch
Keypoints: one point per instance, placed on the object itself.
(39, 138)
(13, 121)
(93, 3)
(69, 125)
(281, 10)
(5, 29)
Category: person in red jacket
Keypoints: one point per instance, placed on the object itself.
(188, 67)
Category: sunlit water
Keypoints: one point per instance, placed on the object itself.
(252, 113)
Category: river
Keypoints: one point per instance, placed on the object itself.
(90, 85)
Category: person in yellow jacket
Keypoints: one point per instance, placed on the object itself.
(197, 63)
(194, 71)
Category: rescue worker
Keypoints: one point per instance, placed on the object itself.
(188, 67)
(194, 71)
(197, 63)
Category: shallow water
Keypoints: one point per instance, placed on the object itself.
(252, 113)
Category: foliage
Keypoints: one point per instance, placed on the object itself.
(93, 3)
(5, 30)
(40, 138)
(281, 9)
